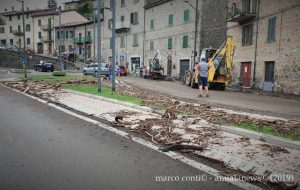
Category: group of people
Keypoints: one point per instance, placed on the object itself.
(202, 69)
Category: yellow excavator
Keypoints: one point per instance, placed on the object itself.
(220, 66)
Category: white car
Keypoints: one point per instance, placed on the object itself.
(92, 69)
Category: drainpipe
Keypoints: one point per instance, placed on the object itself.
(144, 32)
(196, 31)
(256, 39)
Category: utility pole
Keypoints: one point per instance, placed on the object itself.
(99, 45)
(24, 41)
(113, 86)
(60, 37)
(94, 38)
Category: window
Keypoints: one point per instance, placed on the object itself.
(57, 35)
(122, 18)
(122, 3)
(10, 18)
(249, 6)
(247, 35)
(135, 1)
(269, 71)
(19, 16)
(89, 33)
(10, 29)
(27, 27)
(151, 45)
(39, 22)
(186, 15)
(40, 35)
(170, 23)
(71, 34)
(2, 30)
(109, 23)
(170, 40)
(28, 41)
(134, 18)
(122, 43)
(185, 41)
(135, 40)
(152, 24)
(11, 41)
(27, 15)
(271, 29)
(19, 28)
(67, 34)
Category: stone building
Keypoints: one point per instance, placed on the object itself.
(267, 36)
(171, 33)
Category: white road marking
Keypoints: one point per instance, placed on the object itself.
(171, 154)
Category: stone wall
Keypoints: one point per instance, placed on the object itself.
(284, 51)
(11, 59)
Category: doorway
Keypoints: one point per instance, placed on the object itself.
(269, 76)
(184, 65)
(246, 74)
(135, 64)
(40, 48)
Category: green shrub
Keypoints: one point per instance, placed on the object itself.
(59, 73)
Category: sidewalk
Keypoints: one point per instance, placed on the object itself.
(248, 155)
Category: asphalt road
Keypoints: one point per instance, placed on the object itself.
(268, 105)
(43, 148)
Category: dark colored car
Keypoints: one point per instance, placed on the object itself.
(44, 66)
(123, 71)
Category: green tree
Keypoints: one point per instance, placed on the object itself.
(86, 9)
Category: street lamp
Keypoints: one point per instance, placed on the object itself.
(24, 50)
(196, 27)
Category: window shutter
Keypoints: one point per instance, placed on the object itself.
(169, 43)
(243, 36)
(273, 28)
(250, 34)
(131, 18)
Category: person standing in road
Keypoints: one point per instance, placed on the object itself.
(202, 77)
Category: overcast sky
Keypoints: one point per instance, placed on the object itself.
(32, 4)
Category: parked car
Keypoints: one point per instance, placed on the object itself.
(123, 71)
(44, 66)
(68, 56)
(92, 69)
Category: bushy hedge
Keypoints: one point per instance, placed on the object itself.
(59, 73)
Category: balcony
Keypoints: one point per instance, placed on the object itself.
(122, 27)
(153, 3)
(47, 39)
(18, 33)
(46, 27)
(82, 40)
(243, 12)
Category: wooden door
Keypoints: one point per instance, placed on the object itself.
(246, 74)
(40, 48)
(184, 66)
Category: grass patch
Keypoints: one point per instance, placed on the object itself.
(267, 130)
(54, 79)
(19, 71)
(105, 92)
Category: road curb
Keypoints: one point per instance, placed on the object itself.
(279, 141)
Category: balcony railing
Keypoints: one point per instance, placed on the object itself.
(46, 27)
(152, 3)
(122, 26)
(47, 39)
(83, 39)
(242, 12)
(18, 33)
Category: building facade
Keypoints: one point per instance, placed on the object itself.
(267, 36)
